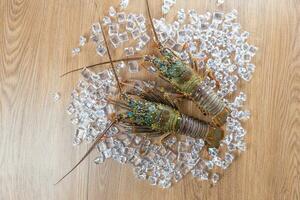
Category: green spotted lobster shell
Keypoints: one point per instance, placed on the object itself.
(165, 119)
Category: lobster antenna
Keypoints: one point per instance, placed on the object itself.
(151, 22)
(98, 138)
(102, 63)
(110, 60)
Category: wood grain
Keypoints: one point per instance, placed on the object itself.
(35, 145)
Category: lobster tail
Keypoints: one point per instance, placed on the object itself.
(200, 129)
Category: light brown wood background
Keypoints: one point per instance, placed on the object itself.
(36, 37)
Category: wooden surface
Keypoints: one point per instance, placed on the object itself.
(36, 37)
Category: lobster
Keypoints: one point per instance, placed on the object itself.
(187, 81)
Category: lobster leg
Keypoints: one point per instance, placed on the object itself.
(209, 73)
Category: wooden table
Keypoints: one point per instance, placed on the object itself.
(35, 144)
